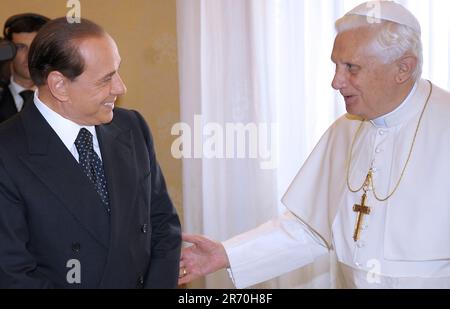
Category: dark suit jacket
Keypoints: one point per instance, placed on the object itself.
(7, 105)
(50, 213)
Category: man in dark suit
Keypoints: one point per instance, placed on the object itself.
(17, 90)
(83, 202)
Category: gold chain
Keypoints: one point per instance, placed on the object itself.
(369, 181)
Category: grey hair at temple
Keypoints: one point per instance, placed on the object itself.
(392, 41)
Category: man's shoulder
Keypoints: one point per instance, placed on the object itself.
(126, 117)
(5, 93)
(133, 122)
(341, 132)
(345, 122)
(11, 133)
(439, 104)
(123, 114)
(441, 95)
(129, 119)
(12, 124)
(7, 104)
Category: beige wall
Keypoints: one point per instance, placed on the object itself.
(145, 31)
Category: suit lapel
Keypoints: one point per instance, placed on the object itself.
(54, 165)
(116, 145)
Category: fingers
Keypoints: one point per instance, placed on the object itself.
(199, 240)
(193, 239)
(186, 253)
(186, 279)
(202, 252)
(183, 272)
(185, 276)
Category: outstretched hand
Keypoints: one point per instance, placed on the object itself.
(204, 257)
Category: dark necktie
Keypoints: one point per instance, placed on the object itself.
(27, 96)
(91, 164)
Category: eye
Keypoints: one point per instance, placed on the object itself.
(352, 68)
(106, 80)
(21, 46)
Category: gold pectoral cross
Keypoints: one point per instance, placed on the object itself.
(361, 210)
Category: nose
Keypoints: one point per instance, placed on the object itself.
(118, 88)
(339, 80)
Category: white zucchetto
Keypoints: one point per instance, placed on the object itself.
(387, 10)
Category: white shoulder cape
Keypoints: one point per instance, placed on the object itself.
(418, 217)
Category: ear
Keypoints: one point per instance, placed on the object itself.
(406, 67)
(58, 83)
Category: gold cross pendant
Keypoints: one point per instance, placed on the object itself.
(361, 210)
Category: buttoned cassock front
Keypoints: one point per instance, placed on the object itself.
(51, 213)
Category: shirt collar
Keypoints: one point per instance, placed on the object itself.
(15, 88)
(66, 129)
(396, 116)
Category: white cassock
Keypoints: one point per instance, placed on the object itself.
(404, 242)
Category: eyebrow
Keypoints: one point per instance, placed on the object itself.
(109, 75)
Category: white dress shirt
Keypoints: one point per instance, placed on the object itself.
(66, 129)
(16, 89)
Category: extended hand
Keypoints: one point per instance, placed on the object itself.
(204, 257)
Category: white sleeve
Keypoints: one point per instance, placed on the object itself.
(275, 248)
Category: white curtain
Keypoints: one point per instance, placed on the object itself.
(267, 63)
(224, 50)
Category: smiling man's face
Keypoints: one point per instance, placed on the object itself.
(92, 94)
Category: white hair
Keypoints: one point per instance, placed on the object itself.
(392, 42)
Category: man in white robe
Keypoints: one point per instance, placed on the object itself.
(393, 147)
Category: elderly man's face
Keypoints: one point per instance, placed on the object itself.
(365, 82)
(93, 93)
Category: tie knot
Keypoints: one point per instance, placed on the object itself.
(27, 96)
(84, 141)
